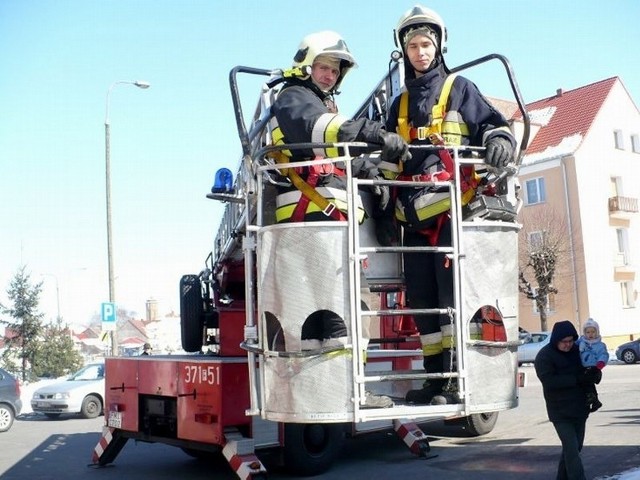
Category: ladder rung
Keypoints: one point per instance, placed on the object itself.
(406, 375)
(407, 311)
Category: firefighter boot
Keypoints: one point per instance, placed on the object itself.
(430, 388)
(371, 400)
(448, 396)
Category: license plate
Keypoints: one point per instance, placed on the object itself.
(41, 404)
(115, 419)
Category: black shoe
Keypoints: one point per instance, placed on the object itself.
(449, 396)
(446, 399)
(425, 394)
(595, 406)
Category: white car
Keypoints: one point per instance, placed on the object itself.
(533, 343)
(82, 392)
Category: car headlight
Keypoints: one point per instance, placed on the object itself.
(55, 396)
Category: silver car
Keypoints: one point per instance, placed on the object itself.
(10, 403)
(533, 343)
(82, 392)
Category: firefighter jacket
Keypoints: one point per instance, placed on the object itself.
(304, 114)
(469, 120)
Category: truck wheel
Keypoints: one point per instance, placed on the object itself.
(477, 424)
(310, 449)
(191, 313)
(91, 407)
(480, 423)
(6, 417)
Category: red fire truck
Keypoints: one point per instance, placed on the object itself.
(247, 383)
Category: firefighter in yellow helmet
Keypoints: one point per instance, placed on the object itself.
(305, 111)
(469, 119)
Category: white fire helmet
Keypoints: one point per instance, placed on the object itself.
(415, 17)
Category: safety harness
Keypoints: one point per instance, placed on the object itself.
(434, 202)
(307, 189)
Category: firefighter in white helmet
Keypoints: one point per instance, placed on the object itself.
(305, 111)
(466, 119)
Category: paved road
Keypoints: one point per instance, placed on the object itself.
(523, 445)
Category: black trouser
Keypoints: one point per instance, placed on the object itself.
(429, 279)
(571, 434)
(322, 325)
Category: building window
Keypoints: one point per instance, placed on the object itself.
(622, 255)
(615, 187)
(619, 139)
(628, 295)
(551, 302)
(535, 191)
(635, 143)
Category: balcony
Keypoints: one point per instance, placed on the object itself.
(622, 266)
(623, 207)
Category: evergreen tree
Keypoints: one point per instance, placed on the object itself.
(24, 329)
(57, 355)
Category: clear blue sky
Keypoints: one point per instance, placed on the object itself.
(58, 59)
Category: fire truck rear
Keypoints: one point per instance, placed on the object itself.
(248, 384)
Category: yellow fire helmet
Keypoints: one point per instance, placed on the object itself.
(326, 43)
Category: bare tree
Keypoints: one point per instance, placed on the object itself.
(544, 249)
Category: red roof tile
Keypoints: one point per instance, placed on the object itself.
(574, 113)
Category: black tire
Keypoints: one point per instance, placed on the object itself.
(311, 448)
(52, 415)
(191, 313)
(91, 407)
(480, 423)
(629, 356)
(6, 417)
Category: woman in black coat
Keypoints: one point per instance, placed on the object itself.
(563, 378)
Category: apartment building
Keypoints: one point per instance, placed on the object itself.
(580, 179)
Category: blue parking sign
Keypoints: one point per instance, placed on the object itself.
(109, 316)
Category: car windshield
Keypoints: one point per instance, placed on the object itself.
(90, 372)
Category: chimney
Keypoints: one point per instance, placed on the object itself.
(559, 92)
(152, 310)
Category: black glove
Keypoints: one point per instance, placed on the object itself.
(589, 376)
(499, 152)
(382, 195)
(383, 215)
(394, 148)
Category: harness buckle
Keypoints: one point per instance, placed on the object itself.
(329, 209)
(436, 139)
(422, 133)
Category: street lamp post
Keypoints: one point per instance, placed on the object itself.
(107, 156)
